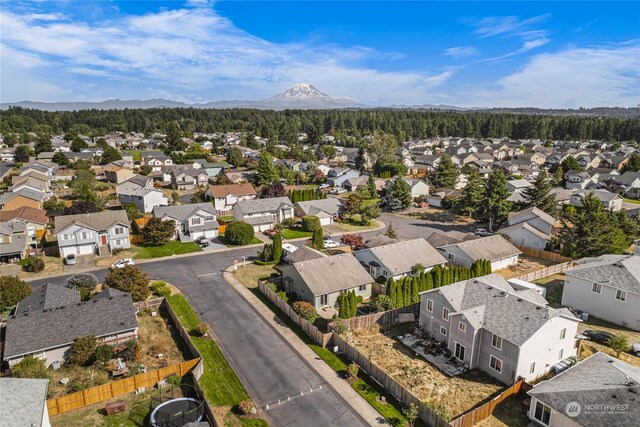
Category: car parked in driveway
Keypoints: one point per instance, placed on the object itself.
(338, 191)
(202, 241)
(270, 232)
(635, 349)
(482, 232)
(122, 263)
(70, 259)
(601, 337)
(330, 244)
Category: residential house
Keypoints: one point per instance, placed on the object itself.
(20, 198)
(226, 196)
(577, 180)
(600, 381)
(435, 199)
(611, 201)
(48, 321)
(630, 183)
(23, 402)
(418, 187)
(325, 209)
(496, 249)
(320, 281)
(192, 221)
(336, 177)
(516, 187)
(117, 174)
(263, 214)
(488, 325)
(20, 232)
(146, 199)
(189, 179)
(353, 184)
(607, 287)
(530, 227)
(156, 161)
(398, 259)
(95, 233)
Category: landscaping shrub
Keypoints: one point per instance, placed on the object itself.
(289, 222)
(116, 251)
(13, 290)
(202, 328)
(283, 295)
(129, 279)
(104, 353)
(266, 254)
(305, 310)
(272, 286)
(33, 264)
(239, 233)
(355, 241)
(157, 232)
(310, 223)
(247, 407)
(352, 370)
(339, 326)
(163, 292)
(157, 285)
(30, 367)
(83, 350)
(382, 303)
(84, 283)
(359, 299)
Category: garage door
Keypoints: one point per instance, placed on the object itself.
(263, 227)
(210, 234)
(326, 221)
(64, 251)
(85, 250)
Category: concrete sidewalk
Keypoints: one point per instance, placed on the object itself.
(356, 401)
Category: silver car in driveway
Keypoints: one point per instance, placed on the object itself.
(635, 349)
(70, 259)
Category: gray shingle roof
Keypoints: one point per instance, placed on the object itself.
(25, 192)
(619, 271)
(598, 380)
(379, 240)
(506, 313)
(35, 331)
(533, 210)
(97, 220)
(182, 212)
(263, 205)
(526, 226)
(331, 205)
(47, 297)
(22, 401)
(491, 247)
(17, 245)
(332, 274)
(304, 253)
(401, 256)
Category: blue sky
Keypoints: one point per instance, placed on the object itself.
(541, 54)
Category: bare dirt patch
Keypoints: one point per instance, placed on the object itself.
(108, 260)
(452, 396)
(437, 215)
(526, 265)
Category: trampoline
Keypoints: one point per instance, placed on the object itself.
(177, 412)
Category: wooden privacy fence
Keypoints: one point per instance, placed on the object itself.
(383, 318)
(136, 238)
(391, 386)
(549, 271)
(542, 254)
(60, 405)
(485, 411)
(150, 304)
(315, 334)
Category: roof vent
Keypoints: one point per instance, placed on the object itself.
(519, 299)
(538, 307)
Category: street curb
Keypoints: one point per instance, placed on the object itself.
(342, 388)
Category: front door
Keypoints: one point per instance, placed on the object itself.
(103, 239)
(459, 353)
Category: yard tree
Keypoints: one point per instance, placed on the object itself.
(129, 279)
(391, 232)
(174, 137)
(410, 413)
(397, 196)
(383, 147)
(496, 206)
(558, 176)
(133, 212)
(391, 290)
(60, 159)
(446, 174)
(81, 207)
(109, 155)
(157, 232)
(382, 303)
(43, 143)
(84, 283)
(368, 213)
(591, 231)
(277, 247)
(78, 144)
(239, 233)
(84, 186)
(633, 165)
(619, 344)
(22, 153)
(234, 157)
(470, 202)
(12, 291)
(317, 241)
(266, 172)
(415, 290)
(360, 159)
(53, 204)
(30, 367)
(83, 350)
(540, 196)
(353, 204)
(274, 189)
(355, 241)
(570, 163)
(371, 186)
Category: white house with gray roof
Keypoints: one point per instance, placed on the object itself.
(93, 233)
(263, 214)
(325, 209)
(397, 259)
(192, 221)
(496, 249)
(320, 281)
(23, 402)
(611, 201)
(607, 287)
(529, 227)
(490, 326)
(599, 391)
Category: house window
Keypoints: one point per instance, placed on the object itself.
(85, 235)
(451, 257)
(208, 218)
(430, 306)
(532, 369)
(362, 288)
(462, 327)
(621, 295)
(385, 273)
(542, 413)
(496, 341)
(495, 364)
(119, 230)
(445, 313)
(39, 355)
(460, 350)
(563, 333)
(561, 353)
(443, 330)
(323, 299)
(195, 221)
(596, 288)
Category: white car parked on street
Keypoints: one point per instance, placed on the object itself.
(122, 263)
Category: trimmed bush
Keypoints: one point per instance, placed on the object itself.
(247, 407)
(359, 299)
(83, 350)
(33, 264)
(352, 370)
(13, 290)
(310, 223)
(202, 328)
(283, 295)
(104, 353)
(239, 233)
(305, 310)
(163, 292)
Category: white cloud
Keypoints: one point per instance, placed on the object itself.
(460, 52)
(504, 25)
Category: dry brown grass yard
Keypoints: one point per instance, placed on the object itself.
(512, 413)
(590, 347)
(525, 265)
(250, 274)
(437, 215)
(453, 395)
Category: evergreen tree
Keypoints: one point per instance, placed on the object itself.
(633, 165)
(406, 292)
(266, 172)
(540, 196)
(428, 281)
(570, 163)
(371, 186)
(60, 159)
(360, 159)
(446, 174)
(487, 269)
(342, 305)
(109, 155)
(558, 176)
(436, 272)
(415, 290)
(174, 138)
(277, 247)
(496, 206)
(399, 294)
(317, 240)
(391, 287)
(397, 196)
(234, 157)
(470, 202)
(391, 232)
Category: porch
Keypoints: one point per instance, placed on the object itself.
(432, 352)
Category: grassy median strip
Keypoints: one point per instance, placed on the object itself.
(219, 383)
(365, 386)
(174, 247)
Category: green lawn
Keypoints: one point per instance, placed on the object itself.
(174, 247)
(135, 154)
(370, 202)
(219, 383)
(354, 224)
(226, 219)
(634, 201)
(295, 233)
(253, 241)
(365, 387)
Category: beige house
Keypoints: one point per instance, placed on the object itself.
(117, 174)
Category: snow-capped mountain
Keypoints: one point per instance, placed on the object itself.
(305, 95)
(302, 91)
